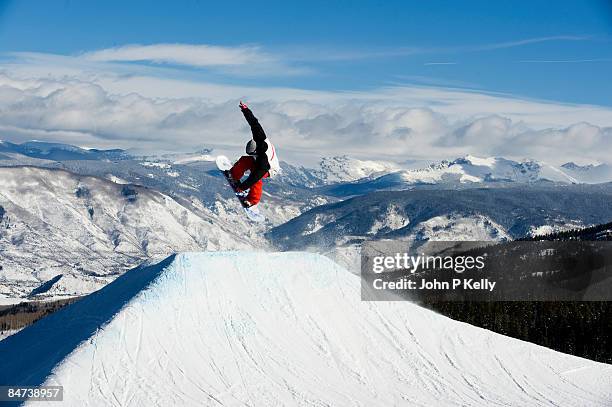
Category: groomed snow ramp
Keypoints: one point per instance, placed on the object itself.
(270, 329)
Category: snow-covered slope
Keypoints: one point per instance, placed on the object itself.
(457, 214)
(346, 169)
(589, 174)
(460, 228)
(280, 329)
(490, 169)
(58, 151)
(472, 171)
(335, 170)
(192, 158)
(467, 169)
(502, 212)
(88, 230)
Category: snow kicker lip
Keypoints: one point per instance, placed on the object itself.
(78, 321)
(280, 329)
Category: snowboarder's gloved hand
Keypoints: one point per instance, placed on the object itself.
(243, 105)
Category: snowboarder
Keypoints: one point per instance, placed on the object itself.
(261, 161)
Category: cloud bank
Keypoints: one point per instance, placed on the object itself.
(87, 100)
(85, 113)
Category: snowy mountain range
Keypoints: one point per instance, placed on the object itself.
(88, 230)
(477, 214)
(491, 169)
(591, 173)
(87, 215)
(82, 221)
(57, 151)
(280, 329)
(345, 169)
(342, 169)
(474, 171)
(425, 213)
(468, 169)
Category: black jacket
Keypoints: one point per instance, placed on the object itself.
(262, 166)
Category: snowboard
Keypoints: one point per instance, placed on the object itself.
(252, 212)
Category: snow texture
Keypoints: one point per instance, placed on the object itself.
(90, 230)
(346, 169)
(486, 169)
(460, 228)
(237, 328)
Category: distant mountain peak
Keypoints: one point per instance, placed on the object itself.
(346, 169)
(480, 161)
(59, 151)
(573, 166)
(589, 173)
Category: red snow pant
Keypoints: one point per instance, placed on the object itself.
(244, 164)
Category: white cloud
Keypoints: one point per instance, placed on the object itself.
(245, 60)
(166, 82)
(103, 104)
(581, 142)
(180, 54)
(529, 41)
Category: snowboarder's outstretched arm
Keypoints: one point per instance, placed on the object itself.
(258, 132)
(261, 166)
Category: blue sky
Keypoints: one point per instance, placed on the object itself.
(558, 50)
